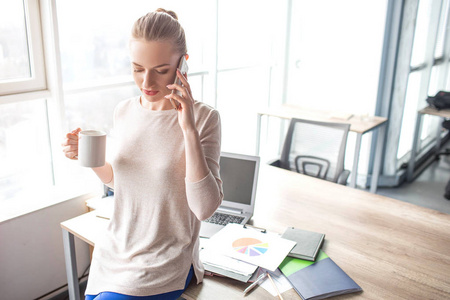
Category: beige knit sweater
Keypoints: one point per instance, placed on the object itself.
(152, 237)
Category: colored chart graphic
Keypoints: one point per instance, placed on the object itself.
(250, 246)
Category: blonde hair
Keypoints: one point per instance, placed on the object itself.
(160, 25)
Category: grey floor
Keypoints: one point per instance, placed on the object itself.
(427, 189)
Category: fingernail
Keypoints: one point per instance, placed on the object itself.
(167, 96)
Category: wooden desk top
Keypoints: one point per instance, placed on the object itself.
(359, 124)
(445, 113)
(392, 249)
(86, 227)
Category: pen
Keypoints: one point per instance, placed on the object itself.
(251, 286)
(275, 287)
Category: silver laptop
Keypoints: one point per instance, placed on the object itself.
(239, 174)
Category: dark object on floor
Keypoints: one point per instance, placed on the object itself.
(445, 152)
(446, 124)
(440, 101)
(447, 191)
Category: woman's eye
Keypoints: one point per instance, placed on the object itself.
(137, 70)
(162, 71)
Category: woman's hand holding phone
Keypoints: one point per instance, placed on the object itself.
(183, 67)
(181, 96)
(185, 108)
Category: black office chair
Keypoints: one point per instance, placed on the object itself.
(316, 149)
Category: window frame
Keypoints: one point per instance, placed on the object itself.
(37, 81)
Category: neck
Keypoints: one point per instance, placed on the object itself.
(162, 104)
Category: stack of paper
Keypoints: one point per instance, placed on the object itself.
(226, 266)
(236, 251)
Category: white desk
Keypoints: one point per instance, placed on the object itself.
(358, 124)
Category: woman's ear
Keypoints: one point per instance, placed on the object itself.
(186, 56)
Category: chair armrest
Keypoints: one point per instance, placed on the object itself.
(342, 179)
(274, 162)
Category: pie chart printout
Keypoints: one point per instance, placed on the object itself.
(250, 246)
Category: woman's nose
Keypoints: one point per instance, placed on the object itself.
(148, 80)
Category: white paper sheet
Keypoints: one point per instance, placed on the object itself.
(227, 263)
(266, 250)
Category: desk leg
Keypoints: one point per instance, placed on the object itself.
(258, 133)
(412, 160)
(71, 265)
(438, 135)
(377, 162)
(356, 160)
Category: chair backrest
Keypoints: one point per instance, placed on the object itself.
(315, 148)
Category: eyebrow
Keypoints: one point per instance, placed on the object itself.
(158, 66)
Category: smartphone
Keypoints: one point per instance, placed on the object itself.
(183, 67)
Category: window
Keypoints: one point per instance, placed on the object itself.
(95, 61)
(21, 54)
(427, 75)
(334, 60)
(237, 64)
(25, 157)
(95, 64)
(25, 151)
(410, 114)
(250, 61)
(94, 58)
(335, 54)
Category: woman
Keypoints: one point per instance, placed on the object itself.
(165, 174)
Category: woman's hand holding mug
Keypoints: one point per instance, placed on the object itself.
(87, 146)
(70, 144)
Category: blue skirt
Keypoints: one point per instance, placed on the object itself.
(166, 296)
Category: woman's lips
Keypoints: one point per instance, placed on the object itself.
(150, 93)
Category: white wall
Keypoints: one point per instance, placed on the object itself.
(32, 253)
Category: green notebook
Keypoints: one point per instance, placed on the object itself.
(308, 243)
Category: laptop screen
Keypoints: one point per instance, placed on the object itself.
(237, 179)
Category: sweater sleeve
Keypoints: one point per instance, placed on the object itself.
(205, 195)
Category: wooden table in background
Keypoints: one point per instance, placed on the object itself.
(392, 249)
(443, 114)
(358, 124)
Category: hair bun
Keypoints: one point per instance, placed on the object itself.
(169, 12)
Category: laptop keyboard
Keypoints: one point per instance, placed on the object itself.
(224, 219)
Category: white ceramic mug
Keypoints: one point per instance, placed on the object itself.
(91, 148)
